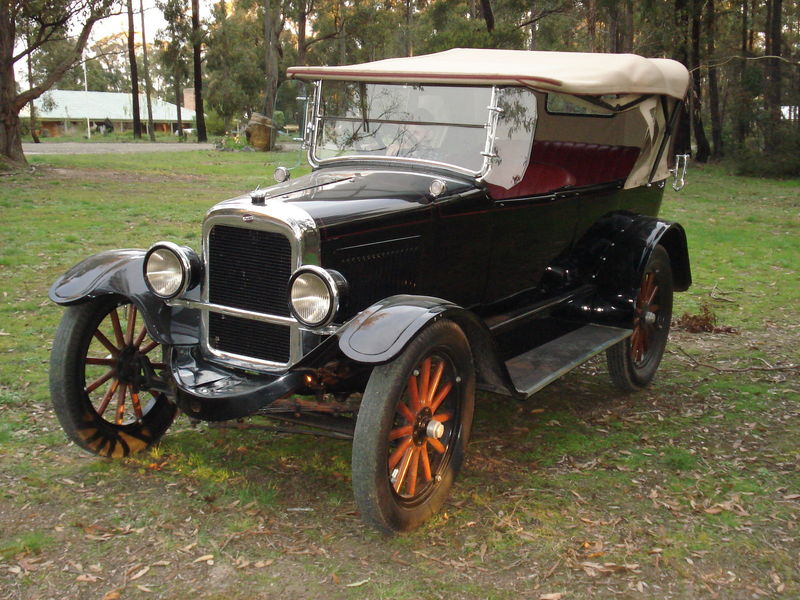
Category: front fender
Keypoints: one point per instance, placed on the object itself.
(120, 272)
(379, 333)
(382, 331)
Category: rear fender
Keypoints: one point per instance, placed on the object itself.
(381, 332)
(121, 272)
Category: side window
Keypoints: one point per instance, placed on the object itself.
(561, 104)
(513, 137)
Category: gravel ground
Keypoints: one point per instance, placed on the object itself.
(113, 148)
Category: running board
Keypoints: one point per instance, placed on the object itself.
(534, 369)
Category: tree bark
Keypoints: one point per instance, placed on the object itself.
(713, 86)
(682, 134)
(302, 21)
(701, 141)
(148, 84)
(772, 95)
(31, 104)
(137, 120)
(488, 15)
(200, 119)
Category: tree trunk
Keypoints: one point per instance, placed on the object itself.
(409, 45)
(682, 134)
(137, 121)
(488, 15)
(10, 138)
(713, 87)
(271, 60)
(31, 104)
(148, 84)
(627, 33)
(198, 73)
(178, 102)
(302, 48)
(591, 24)
(772, 95)
(703, 148)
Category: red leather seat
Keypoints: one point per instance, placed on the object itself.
(555, 165)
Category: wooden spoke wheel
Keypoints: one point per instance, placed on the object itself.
(101, 362)
(412, 429)
(633, 363)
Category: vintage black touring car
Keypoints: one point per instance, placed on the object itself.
(475, 219)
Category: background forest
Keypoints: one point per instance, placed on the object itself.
(744, 55)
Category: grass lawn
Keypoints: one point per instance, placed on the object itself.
(690, 489)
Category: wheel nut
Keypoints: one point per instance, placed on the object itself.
(649, 317)
(434, 429)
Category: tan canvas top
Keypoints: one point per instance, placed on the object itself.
(566, 72)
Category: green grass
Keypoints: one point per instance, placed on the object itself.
(692, 479)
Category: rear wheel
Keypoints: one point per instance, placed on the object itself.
(412, 429)
(99, 366)
(633, 362)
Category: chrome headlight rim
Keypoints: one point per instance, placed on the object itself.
(335, 284)
(186, 262)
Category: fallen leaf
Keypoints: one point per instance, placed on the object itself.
(260, 564)
(140, 573)
(553, 596)
(112, 595)
(204, 558)
(87, 577)
(144, 588)
(358, 583)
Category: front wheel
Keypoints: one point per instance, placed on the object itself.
(412, 429)
(100, 363)
(633, 362)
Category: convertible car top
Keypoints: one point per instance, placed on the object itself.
(580, 73)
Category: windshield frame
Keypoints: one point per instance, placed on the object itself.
(488, 153)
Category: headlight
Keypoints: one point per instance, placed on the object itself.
(314, 295)
(170, 269)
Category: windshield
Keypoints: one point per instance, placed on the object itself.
(443, 124)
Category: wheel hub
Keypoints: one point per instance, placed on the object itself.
(420, 433)
(130, 365)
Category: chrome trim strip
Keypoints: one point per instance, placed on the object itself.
(233, 312)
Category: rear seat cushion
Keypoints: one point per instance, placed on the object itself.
(555, 165)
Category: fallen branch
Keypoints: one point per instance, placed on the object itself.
(697, 363)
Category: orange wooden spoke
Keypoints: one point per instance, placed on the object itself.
(106, 342)
(117, 327)
(112, 387)
(131, 323)
(406, 412)
(437, 377)
(98, 382)
(426, 463)
(443, 417)
(441, 396)
(395, 457)
(137, 405)
(149, 347)
(121, 392)
(652, 294)
(437, 445)
(140, 338)
(425, 378)
(109, 362)
(401, 432)
(401, 476)
(654, 308)
(413, 394)
(412, 474)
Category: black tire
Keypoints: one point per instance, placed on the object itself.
(392, 431)
(94, 344)
(633, 362)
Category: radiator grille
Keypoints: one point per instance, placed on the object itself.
(246, 337)
(249, 269)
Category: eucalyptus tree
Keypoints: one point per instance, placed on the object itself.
(25, 27)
